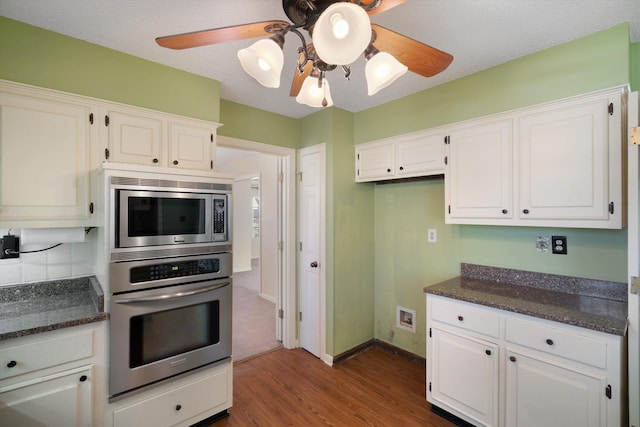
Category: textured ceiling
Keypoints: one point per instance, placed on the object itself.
(478, 33)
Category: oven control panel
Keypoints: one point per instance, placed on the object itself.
(171, 270)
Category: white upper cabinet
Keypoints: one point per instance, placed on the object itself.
(479, 181)
(155, 139)
(45, 158)
(554, 165)
(405, 156)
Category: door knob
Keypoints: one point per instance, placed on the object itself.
(314, 264)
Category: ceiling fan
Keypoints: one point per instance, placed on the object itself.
(340, 32)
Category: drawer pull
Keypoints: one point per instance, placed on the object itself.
(83, 378)
(512, 358)
(460, 318)
(549, 341)
(178, 407)
(12, 364)
(488, 352)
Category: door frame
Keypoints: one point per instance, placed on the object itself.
(286, 295)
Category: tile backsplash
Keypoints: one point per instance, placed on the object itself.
(65, 261)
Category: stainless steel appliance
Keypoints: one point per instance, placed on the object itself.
(168, 316)
(153, 212)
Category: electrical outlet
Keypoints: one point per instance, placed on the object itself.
(559, 245)
(432, 235)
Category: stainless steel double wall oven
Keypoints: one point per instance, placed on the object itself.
(170, 279)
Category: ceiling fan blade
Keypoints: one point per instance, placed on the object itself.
(418, 57)
(382, 7)
(298, 77)
(220, 35)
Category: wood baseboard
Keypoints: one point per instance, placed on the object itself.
(406, 355)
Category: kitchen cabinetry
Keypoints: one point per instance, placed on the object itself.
(45, 158)
(184, 402)
(557, 165)
(49, 378)
(149, 138)
(405, 156)
(503, 368)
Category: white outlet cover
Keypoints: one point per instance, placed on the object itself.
(432, 235)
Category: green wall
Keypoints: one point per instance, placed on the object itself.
(404, 261)
(43, 58)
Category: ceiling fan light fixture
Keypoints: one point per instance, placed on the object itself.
(341, 33)
(315, 91)
(382, 70)
(264, 60)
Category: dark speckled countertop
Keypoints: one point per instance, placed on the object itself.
(39, 307)
(591, 304)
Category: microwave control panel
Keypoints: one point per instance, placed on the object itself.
(219, 218)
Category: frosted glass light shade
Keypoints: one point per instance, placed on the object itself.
(263, 61)
(341, 33)
(312, 95)
(382, 70)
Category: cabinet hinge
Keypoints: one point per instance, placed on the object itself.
(607, 391)
(429, 385)
(358, 172)
(91, 118)
(106, 154)
(447, 140)
(299, 176)
(300, 316)
(449, 209)
(91, 207)
(280, 245)
(280, 313)
(611, 108)
(106, 120)
(211, 165)
(429, 332)
(446, 160)
(358, 156)
(611, 208)
(300, 246)
(211, 137)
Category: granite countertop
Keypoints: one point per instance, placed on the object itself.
(592, 304)
(31, 308)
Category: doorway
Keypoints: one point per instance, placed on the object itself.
(264, 263)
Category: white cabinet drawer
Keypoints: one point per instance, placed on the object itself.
(466, 317)
(22, 359)
(556, 341)
(178, 405)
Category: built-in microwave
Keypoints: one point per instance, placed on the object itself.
(164, 214)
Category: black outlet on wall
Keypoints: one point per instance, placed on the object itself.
(559, 245)
(9, 247)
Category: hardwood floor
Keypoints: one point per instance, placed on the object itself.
(294, 388)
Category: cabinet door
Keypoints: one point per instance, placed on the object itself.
(44, 160)
(375, 162)
(464, 376)
(564, 162)
(420, 156)
(541, 393)
(61, 400)
(190, 146)
(479, 173)
(135, 139)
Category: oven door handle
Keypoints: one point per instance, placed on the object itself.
(175, 295)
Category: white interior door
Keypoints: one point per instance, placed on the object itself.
(634, 261)
(311, 190)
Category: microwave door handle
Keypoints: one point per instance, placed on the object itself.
(175, 295)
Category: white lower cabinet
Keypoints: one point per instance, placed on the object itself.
(182, 402)
(491, 367)
(465, 375)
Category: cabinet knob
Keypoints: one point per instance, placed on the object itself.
(401, 168)
(488, 352)
(512, 358)
(178, 407)
(175, 162)
(549, 341)
(388, 170)
(525, 211)
(155, 160)
(83, 378)
(504, 211)
(12, 364)
(460, 318)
